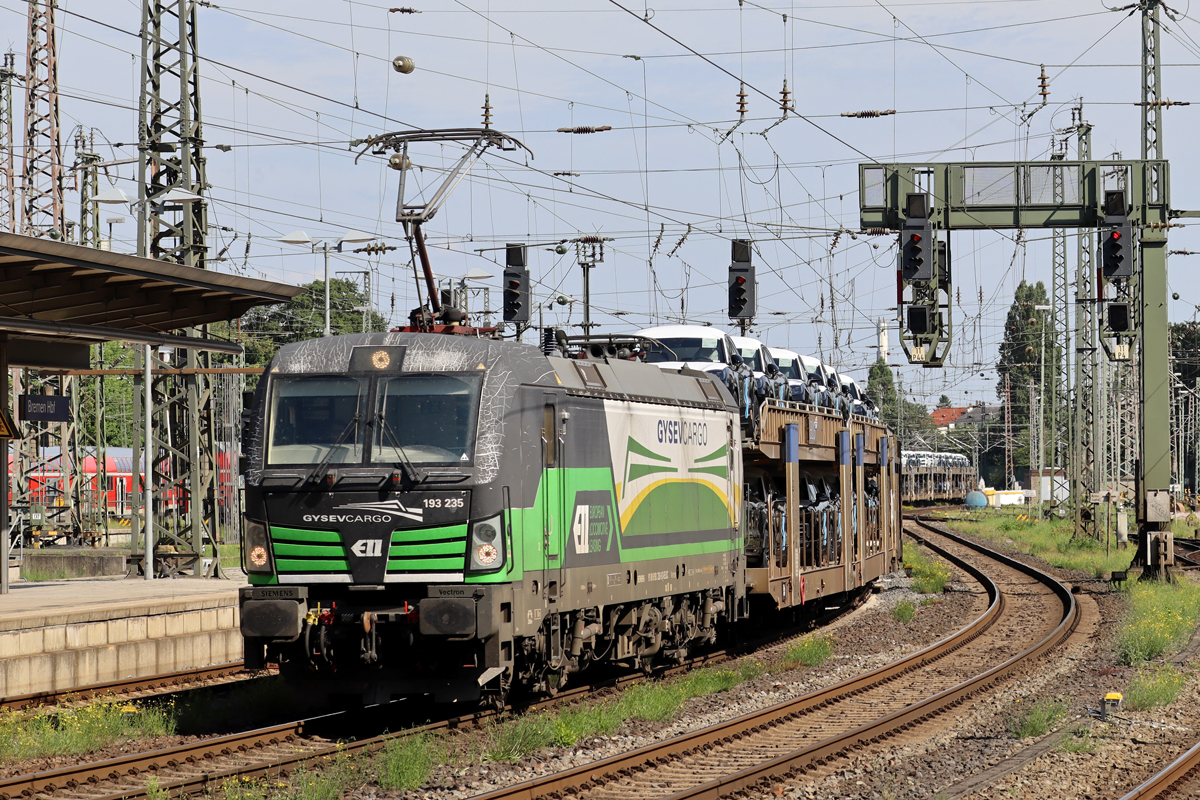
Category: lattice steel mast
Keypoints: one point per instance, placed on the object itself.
(1060, 321)
(10, 217)
(172, 225)
(41, 185)
(1083, 479)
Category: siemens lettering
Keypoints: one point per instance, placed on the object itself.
(673, 431)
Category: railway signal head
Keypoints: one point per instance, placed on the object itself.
(1119, 318)
(515, 255)
(917, 253)
(516, 295)
(918, 319)
(1117, 256)
(743, 302)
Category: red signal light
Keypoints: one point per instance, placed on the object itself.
(915, 238)
(514, 285)
(740, 280)
(1115, 235)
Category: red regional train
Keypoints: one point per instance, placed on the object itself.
(45, 513)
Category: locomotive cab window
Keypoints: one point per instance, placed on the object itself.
(426, 419)
(313, 418)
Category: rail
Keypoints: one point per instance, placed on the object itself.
(581, 779)
(208, 762)
(171, 681)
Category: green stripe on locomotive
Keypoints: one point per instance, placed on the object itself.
(673, 519)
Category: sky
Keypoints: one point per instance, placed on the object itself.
(288, 88)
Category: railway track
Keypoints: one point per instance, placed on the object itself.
(133, 688)
(201, 767)
(800, 736)
(1180, 778)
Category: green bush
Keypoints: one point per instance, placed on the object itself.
(1153, 687)
(904, 611)
(1036, 719)
(1160, 619)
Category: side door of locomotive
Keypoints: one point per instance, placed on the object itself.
(554, 511)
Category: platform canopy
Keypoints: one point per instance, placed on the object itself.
(58, 298)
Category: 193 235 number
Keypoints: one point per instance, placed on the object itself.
(449, 502)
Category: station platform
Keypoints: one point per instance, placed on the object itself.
(61, 635)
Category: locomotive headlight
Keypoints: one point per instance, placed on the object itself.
(487, 545)
(257, 548)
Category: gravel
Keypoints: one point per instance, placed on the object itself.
(866, 639)
(978, 739)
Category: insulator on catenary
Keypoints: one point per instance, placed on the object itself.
(876, 231)
(586, 129)
(403, 10)
(403, 64)
(869, 114)
(1164, 103)
(399, 161)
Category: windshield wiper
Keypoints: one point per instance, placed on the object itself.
(319, 470)
(409, 470)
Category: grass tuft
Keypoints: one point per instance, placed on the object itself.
(245, 789)
(37, 574)
(513, 739)
(154, 791)
(1037, 719)
(811, 651)
(1078, 740)
(1160, 620)
(573, 725)
(27, 735)
(904, 612)
(1051, 540)
(1155, 686)
(407, 762)
(929, 575)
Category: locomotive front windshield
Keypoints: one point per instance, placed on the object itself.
(430, 419)
(313, 419)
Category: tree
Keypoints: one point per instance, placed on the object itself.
(1029, 342)
(881, 386)
(943, 402)
(270, 327)
(909, 420)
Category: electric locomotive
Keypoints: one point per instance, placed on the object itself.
(452, 516)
